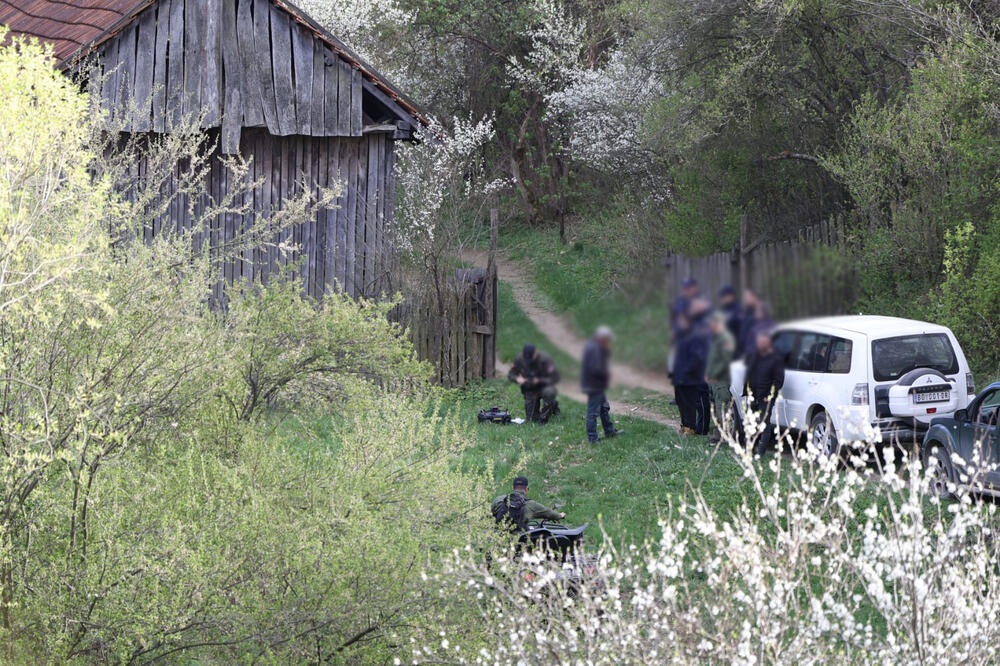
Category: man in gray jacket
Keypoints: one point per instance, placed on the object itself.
(594, 378)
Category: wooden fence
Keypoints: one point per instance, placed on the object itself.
(801, 278)
(456, 332)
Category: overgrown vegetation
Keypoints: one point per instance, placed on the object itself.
(682, 117)
(148, 510)
(269, 479)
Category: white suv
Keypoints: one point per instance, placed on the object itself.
(845, 376)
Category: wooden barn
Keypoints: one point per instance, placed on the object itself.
(273, 86)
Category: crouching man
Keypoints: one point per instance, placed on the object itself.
(535, 372)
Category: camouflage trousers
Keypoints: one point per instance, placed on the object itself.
(720, 407)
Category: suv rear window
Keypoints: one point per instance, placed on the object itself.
(894, 357)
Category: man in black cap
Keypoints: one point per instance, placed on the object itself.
(535, 372)
(517, 509)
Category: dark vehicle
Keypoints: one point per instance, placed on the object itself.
(562, 547)
(966, 443)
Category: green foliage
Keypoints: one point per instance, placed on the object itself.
(289, 350)
(308, 546)
(923, 175)
(147, 510)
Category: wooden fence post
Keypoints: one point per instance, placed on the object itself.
(490, 355)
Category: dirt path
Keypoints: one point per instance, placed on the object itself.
(561, 334)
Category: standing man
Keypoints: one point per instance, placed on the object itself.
(729, 305)
(720, 355)
(689, 372)
(594, 378)
(535, 372)
(682, 305)
(680, 308)
(765, 377)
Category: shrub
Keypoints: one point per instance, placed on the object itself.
(308, 547)
(146, 509)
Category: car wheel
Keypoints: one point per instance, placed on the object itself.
(824, 436)
(937, 462)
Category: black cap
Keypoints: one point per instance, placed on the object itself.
(528, 351)
(728, 290)
(689, 282)
(520, 482)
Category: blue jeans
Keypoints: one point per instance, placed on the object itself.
(597, 403)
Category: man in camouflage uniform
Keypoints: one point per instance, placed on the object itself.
(532, 510)
(536, 373)
(720, 354)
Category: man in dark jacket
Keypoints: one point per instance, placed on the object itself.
(748, 323)
(682, 304)
(765, 376)
(689, 371)
(536, 373)
(594, 378)
(729, 306)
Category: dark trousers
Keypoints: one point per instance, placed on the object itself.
(704, 413)
(689, 403)
(597, 404)
(764, 407)
(533, 411)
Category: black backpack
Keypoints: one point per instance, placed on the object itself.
(511, 512)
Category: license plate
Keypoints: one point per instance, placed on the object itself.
(939, 396)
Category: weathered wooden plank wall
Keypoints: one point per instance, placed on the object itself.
(328, 247)
(796, 277)
(242, 63)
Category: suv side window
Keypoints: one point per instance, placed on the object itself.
(786, 344)
(814, 352)
(841, 351)
(988, 408)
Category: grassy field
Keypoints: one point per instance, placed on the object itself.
(620, 483)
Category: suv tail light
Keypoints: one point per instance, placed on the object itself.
(859, 396)
(970, 385)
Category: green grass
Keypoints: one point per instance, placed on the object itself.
(621, 483)
(588, 280)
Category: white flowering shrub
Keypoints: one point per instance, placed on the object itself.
(819, 564)
(557, 40)
(443, 171)
(605, 108)
(358, 22)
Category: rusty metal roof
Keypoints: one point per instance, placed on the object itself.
(77, 27)
(66, 24)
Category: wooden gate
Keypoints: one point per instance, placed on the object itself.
(455, 331)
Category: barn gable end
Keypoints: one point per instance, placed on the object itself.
(243, 64)
(268, 83)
